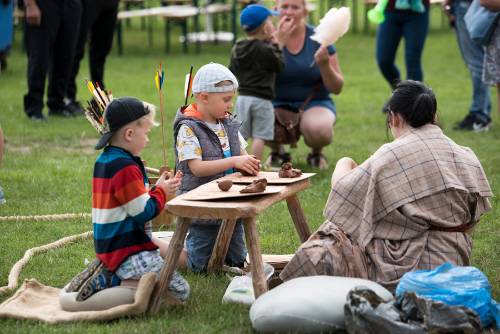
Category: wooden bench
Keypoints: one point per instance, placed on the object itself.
(246, 208)
(169, 13)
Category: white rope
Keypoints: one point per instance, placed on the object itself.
(16, 269)
(58, 217)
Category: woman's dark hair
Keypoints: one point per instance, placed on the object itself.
(415, 102)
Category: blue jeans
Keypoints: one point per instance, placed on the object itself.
(200, 243)
(473, 55)
(413, 27)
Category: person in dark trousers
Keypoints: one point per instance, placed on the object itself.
(51, 31)
(97, 25)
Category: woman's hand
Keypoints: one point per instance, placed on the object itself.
(321, 57)
(285, 28)
(33, 13)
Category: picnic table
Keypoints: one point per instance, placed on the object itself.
(172, 13)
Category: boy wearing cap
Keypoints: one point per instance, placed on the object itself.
(255, 61)
(123, 206)
(208, 146)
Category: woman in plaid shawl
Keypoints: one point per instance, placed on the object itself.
(411, 205)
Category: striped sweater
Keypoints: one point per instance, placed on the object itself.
(122, 207)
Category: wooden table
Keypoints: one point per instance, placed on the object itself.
(229, 210)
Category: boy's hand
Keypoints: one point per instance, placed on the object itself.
(168, 183)
(247, 163)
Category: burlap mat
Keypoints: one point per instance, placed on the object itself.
(36, 301)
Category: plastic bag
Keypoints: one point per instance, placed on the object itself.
(466, 286)
(240, 289)
(366, 312)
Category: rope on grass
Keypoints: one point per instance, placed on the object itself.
(59, 217)
(16, 269)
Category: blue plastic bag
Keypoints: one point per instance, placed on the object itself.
(453, 285)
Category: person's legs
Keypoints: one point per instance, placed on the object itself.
(388, 37)
(163, 246)
(415, 30)
(101, 38)
(262, 118)
(39, 40)
(199, 243)
(243, 115)
(316, 126)
(277, 156)
(237, 251)
(63, 55)
(473, 55)
(258, 148)
(79, 51)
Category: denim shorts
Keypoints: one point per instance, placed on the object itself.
(200, 243)
(328, 104)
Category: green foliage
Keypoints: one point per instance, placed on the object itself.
(47, 167)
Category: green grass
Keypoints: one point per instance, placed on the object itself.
(47, 168)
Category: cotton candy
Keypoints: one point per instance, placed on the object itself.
(332, 26)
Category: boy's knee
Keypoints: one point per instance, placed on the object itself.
(237, 252)
(199, 245)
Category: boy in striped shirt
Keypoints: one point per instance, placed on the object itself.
(123, 206)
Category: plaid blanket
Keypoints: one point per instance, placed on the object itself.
(407, 207)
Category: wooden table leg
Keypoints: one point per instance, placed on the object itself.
(298, 217)
(174, 250)
(221, 245)
(253, 245)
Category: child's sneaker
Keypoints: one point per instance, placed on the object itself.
(100, 280)
(76, 283)
(179, 287)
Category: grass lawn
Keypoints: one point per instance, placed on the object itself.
(47, 168)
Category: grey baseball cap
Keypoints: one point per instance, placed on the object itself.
(209, 75)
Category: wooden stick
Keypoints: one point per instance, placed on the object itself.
(253, 244)
(221, 245)
(298, 217)
(164, 148)
(174, 251)
(153, 171)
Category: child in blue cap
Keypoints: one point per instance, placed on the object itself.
(255, 61)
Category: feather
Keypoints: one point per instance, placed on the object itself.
(332, 26)
(96, 107)
(188, 84)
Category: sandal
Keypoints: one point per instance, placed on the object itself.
(275, 159)
(317, 160)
